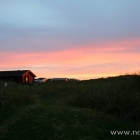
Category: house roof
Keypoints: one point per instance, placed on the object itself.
(15, 73)
(59, 79)
(41, 78)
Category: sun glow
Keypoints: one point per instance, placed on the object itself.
(80, 62)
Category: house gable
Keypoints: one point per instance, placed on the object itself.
(28, 77)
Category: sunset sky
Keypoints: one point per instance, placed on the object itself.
(81, 39)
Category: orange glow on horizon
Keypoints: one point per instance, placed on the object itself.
(100, 59)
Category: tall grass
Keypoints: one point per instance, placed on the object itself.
(118, 96)
(15, 95)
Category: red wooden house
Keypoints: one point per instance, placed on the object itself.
(19, 76)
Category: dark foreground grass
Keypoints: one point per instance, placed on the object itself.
(72, 110)
(55, 122)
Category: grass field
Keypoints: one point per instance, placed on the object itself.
(76, 110)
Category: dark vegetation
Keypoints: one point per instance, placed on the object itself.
(77, 110)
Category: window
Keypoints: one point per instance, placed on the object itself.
(27, 79)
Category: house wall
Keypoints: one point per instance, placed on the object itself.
(27, 78)
(12, 79)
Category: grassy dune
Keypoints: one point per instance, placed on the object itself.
(86, 110)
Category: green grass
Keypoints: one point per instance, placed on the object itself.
(82, 110)
(61, 123)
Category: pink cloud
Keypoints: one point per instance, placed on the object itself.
(93, 60)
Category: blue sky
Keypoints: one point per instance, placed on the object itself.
(52, 26)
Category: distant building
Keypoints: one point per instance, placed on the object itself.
(48, 80)
(73, 79)
(60, 79)
(40, 80)
(18, 76)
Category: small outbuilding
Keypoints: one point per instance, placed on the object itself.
(40, 80)
(60, 79)
(18, 76)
